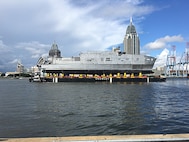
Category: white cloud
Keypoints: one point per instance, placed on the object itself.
(79, 21)
(6, 55)
(111, 10)
(3, 48)
(93, 25)
(34, 48)
(161, 59)
(164, 41)
(13, 61)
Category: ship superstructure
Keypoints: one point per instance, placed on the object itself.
(101, 62)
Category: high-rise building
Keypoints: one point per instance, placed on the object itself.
(131, 40)
(20, 67)
(54, 52)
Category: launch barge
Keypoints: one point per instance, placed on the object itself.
(136, 79)
(112, 66)
(96, 78)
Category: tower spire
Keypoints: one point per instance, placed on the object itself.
(131, 20)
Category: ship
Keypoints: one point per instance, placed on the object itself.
(98, 63)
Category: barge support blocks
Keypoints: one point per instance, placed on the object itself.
(105, 79)
(118, 138)
(59, 77)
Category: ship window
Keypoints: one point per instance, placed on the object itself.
(147, 59)
(108, 59)
(91, 59)
(77, 58)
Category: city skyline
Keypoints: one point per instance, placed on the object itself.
(28, 28)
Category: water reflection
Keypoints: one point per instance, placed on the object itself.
(64, 109)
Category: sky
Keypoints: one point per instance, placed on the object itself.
(29, 28)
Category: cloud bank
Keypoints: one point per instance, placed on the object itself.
(164, 41)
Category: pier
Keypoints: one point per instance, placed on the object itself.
(118, 138)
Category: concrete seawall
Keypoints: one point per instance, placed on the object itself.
(116, 138)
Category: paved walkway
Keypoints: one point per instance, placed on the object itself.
(116, 138)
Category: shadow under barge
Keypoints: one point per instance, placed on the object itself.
(111, 80)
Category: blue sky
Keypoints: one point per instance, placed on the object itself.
(28, 28)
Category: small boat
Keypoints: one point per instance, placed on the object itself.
(36, 78)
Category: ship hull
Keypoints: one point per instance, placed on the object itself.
(99, 72)
(79, 68)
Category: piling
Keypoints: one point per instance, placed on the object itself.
(56, 79)
(110, 79)
(148, 79)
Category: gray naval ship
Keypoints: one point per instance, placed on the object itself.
(103, 62)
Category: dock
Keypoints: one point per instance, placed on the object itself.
(113, 138)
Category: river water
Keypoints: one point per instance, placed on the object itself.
(29, 109)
